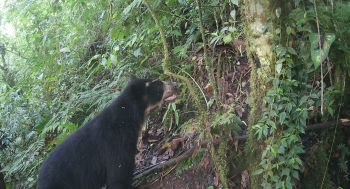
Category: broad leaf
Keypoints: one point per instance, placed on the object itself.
(319, 54)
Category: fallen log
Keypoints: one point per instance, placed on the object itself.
(329, 124)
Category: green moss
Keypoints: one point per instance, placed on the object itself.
(259, 48)
(222, 163)
(166, 64)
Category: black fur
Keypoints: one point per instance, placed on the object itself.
(102, 152)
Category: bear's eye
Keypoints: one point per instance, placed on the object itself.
(156, 85)
(155, 90)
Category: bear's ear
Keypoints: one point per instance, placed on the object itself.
(132, 78)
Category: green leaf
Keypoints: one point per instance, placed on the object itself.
(280, 51)
(273, 150)
(97, 56)
(233, 14)
(166, 113)
(177, 33)
(117, 33)
(295, 175)
(180, 50)
(177, 118)
(303, 100)
(258, 131)
(173, 106)
(298, 160)
(282, 117)
(113, 59)
(183, 2)
(290, 30)
(210, 103)
(289, 107)
(235, 2)
(104, 61)
(272, 124)
(257, 172)
(137, 52)
(65, 50)
(319, 54)
(279, 65)
(132, 5)
(285, 171)
(281, 150)
(291, 51)
(330, 111)
(227, 38)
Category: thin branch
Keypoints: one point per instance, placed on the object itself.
(165, 64)
(207, 62)
(166, 164)
(176, 15)
(320, 46)
(185, 155)
(203, 144)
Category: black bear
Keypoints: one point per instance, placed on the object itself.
(101, 153)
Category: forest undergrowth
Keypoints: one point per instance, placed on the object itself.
(250, 87)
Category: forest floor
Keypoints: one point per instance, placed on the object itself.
(159, 146)
(166, 155)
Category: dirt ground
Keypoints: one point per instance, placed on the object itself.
(194, 178)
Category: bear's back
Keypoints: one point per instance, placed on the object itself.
(74, 162)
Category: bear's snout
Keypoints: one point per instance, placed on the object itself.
(170, 91)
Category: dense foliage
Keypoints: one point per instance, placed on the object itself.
(63, 61)
(308, 48)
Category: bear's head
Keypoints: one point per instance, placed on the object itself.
(152, 93)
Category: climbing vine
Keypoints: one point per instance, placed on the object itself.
(299, 91)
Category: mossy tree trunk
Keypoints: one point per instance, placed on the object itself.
(264, 24)
(259, 23)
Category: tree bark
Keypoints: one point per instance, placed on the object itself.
(259, 16)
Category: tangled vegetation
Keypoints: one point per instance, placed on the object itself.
(64, 61)
(305, 85)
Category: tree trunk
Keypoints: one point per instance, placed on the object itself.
(259, 32)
